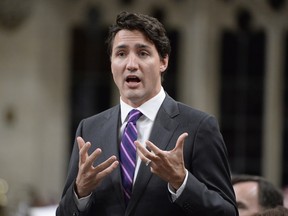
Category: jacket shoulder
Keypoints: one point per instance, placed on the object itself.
(102, 116)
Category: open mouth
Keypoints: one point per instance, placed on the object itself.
(132, 79)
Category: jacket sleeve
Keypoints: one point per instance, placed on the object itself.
(208, 190)
(67, 205)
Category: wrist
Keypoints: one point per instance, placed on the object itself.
(80, 193)
(176, 184)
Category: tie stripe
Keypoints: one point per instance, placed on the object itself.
(131, 142)
(127, 156)
(127, 174)
(128, 153)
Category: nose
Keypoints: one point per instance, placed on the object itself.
(132, 64)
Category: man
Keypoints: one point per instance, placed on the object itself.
(168, 178)
(255, 194)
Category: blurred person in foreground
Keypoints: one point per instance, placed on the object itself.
(169, 177)
(255, 194)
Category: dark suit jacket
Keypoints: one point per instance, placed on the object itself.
(208, 190)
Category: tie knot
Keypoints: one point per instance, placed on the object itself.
(134, 115)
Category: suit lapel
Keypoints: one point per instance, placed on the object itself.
(112, 126)
(161, 133)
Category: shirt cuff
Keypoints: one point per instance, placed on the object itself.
(82, 202)
(175, 194)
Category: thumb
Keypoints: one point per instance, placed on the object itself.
(180, 141)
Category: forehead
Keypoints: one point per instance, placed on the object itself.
(131, 37)
(246, 191)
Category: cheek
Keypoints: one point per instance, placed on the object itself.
(116, 70)
(114, 74)
(116, 78)
(113, 68)
(116, 64)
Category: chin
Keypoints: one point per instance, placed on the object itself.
(135, 99)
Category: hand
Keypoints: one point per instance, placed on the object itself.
(168, 165)
(89, 177)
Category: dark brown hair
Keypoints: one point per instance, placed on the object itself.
(277, 211)
(149, 26)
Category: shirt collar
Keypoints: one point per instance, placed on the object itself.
(148, 109)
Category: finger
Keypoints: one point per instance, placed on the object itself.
(153, 149)
(107, 171)
(105, 164)
(180, 141)
(140, 150)
(80, 142)
(144, 153)
(83, 149)
(91, 158)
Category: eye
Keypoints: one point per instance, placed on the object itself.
(121, 53)
(143, 53)
(241, 205)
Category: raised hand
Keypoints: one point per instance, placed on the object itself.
(89, 177)
(168, 165)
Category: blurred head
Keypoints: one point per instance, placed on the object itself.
(255, 194)
(139, 51)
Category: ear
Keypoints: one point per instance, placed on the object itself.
(164, 63)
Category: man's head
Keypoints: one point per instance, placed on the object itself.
(149, 26)
(255, 194)
(139, 51)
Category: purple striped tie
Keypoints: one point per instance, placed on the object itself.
(128, 153)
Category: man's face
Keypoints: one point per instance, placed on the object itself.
(136, 67)
(247, 198)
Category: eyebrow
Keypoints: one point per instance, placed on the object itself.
(143, 46)
(138, 46)
(241, 205)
